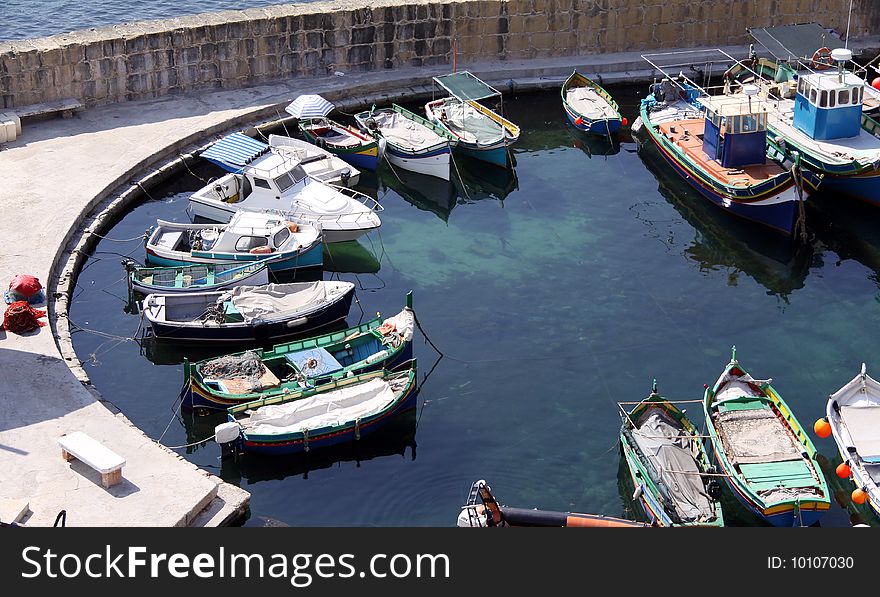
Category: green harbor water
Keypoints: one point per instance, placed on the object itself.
(554, 291)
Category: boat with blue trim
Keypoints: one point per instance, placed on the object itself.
(248, 237)
(481, 132)
(589, 107)
(769, 462)
(342, 410)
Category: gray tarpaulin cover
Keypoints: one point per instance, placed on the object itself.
(667, 447)
(276, 301)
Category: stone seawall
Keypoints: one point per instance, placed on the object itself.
(242, 48)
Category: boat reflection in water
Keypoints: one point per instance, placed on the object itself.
(350, 257)
(847, 228)
(595, 145)
(722, 240)
(397, 437)
(471, 181)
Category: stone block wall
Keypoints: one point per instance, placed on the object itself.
(240, 48)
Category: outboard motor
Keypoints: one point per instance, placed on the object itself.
(227, 435)
(371, 124)
(345, 176)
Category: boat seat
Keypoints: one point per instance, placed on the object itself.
(788, 474)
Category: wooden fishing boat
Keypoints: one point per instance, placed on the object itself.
(758, 443)
(483, 510)
(589, 107)
(248, 237)
(194, 278)
(853, 412)
(412, 143)
(277, 178)
(342, 410)
(248, 313)
(481, 133)
(671, 473)
(722, 152)
(225, 381)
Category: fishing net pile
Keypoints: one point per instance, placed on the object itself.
(21, 318)
(247, 366)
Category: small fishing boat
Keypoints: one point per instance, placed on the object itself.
(194, 278)
(412, 143)
(356, 148)
(273, 178)
(342, 410)
(225, 381)
(483, 510)
(481, 133)
(248, 237)
(853, 413)
(769, 462)
(673, 479)
(718, 144)
(589, 107)
(248, 313)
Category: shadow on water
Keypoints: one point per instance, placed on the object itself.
(395, 438)
(848, 228)
(777, 263)
(841, 490)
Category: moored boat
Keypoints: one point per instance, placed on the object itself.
(194, 278)
(277, 181)
(353, 146)
(248, 237)
(342, 410)
(670, 470)
(481, 133)
(853, 412)
(768, 459)
(589, 107)
(221, 382)
(248, 313)
(720, 148)
(412, 143)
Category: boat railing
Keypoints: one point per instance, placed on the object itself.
(363, 198)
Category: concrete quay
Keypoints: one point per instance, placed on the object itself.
(64, 178)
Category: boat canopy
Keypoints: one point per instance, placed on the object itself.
(235, 151)
(789, 42)
(466, 87)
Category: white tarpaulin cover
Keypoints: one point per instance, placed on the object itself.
(322, 410)
(276, 301)
(667, 447)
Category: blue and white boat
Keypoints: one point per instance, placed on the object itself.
(589, 107)
(276, 177)
(248, 237)
(412, 143)
(481, 133)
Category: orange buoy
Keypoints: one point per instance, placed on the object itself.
(843, 471)
(624, 122)
(859, 496)
(876, 83)
(822, 428)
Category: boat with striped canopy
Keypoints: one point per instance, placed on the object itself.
(342, 410)
(225, 381)
(412, 143)
(481, 133)
(769, 461)
(194, 278)
(589, 107)
(670, 470)
(853, 412)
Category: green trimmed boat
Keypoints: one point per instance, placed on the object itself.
(769, 461)
(226, 381)
(673, 478)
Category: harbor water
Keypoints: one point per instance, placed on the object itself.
(554, 291)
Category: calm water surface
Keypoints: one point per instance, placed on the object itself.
(21, 19)
(554, 291)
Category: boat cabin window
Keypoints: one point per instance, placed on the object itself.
(802, 87)
(843, 96)
(263, 184)
(280, 237)
(857, 95)
(288, 179)
(246, 243)
(813, 95)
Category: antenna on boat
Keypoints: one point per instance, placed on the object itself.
(749, 91)
(841, 55)
(848, 19)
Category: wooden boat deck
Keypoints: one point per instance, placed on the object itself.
(688, 134)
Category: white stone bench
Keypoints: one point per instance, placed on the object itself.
(96, 455)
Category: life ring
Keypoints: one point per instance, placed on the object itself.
(821, 59)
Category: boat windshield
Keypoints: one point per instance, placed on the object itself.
(288, 179)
